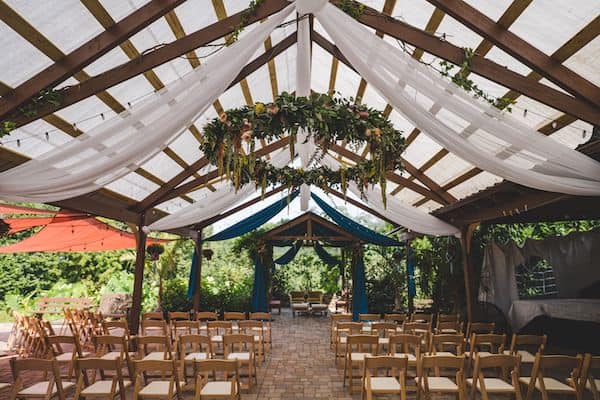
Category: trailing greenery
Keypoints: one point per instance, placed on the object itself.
(352, 8)
(461, 79)
(30, 109)
(229, 140)
(244, 20)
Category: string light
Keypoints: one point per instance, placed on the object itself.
(47, 136)
(524, 113)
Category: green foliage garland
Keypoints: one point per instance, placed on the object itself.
(229, 141)
(30, 109)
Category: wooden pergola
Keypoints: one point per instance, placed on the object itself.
(466, 198)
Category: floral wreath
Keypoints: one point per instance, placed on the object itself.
(229, 141)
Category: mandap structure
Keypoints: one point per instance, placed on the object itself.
(103, 107)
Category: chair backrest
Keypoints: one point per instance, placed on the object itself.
(184, 327)
(315, 296)
(250, 326)
(20, 365)
(111, 327)
(107, 343)
(570, 366)
(207, 369)
(421, 317)
(480, 327)
(363, 344)
(441, 342)
(417, 327)
(398, 318)
(447, 318)
(369, 317)
(349, 328)
(493, 342)
(56, 342)
(146, 343)
(233, 316)
(152, 326)
(153, 315)
(85, 365)
(428, 363)
(219, 327)
(194, 343)
(336, 318)
(448, 326)
(179, 315)
(495, 363)
(405, 343)
(383, 329)
(390, 364)
(297, 297)
(238, 343)
(206, 316)
(521, 342)
(260, 316)
(166, 368)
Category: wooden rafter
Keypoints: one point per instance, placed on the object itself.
(521, 50)
(84, 55)
(151, 59)
(360, 205)
(481, 66)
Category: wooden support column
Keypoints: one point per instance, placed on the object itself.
(410, 297)
(465, 244)
(140, 257)
(196, 303)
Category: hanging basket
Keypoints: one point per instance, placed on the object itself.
(207, 253)
(155, 250)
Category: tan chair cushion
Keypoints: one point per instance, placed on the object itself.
(218, 388)
(494, 385)
(158, 388)
(103, 387)
(112, 355)
(155, 355)
(196, 356)
(41, 388)
(448, 330)
(4, 385)
(242, 356)
(551, 384)
(440, 384)
(69, 356)
(359, 356)
(443, 354)
(384, 384)
(384, 340)
(216, 338)
(411, 357)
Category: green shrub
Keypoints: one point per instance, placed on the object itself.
(175, 296)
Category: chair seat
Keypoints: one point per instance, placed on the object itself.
(411, 357)
(551, 384)
(588, 384)
(112, 355)
(443, 354)
(103, 387)
(218, 388)
(158, 388)
(384, 340)
(448, 331)
(481, 354)
(156, 355)
(494, 385)
(300, 306)
(526, 357)
(4, 385)
(41, 388)
(343, 340)
(384, 384)
(196, 356)
(216, 338)
(69, 356)
(440, 384)
(242, 356)
(359, 356)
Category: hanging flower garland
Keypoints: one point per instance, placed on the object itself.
(229, 141)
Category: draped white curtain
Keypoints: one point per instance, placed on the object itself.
(215, 202)
(121, 145)
(472, 129)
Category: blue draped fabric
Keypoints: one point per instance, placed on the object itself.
(410, 271)
(358, 230)
(193, 275)
(259, 288)
(359, 289)
(255, 220)
(289, 255)
(327, 258)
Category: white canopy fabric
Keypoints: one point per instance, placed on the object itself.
(68, 24)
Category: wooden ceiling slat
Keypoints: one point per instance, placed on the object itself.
(67, 65)
(535, 59)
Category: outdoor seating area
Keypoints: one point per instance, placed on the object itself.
(299, 199)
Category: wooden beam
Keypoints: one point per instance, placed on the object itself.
(151, 59)
(479, 65)
(360, 205)
(84, 54)
(427, 181)
(465, 244)
(520, 49)
(138, 276)
(197, 293)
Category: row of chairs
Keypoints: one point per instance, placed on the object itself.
(103, 378)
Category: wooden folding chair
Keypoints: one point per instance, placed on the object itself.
(233, 316)
(479, 327)
(47, 389)
(520, 344)
(167, 386)
(392, 382)
(494, 344)
(422, 317)
(65, 358)
(154, 327)
(241, 348)
(593, 383)
(557, 375)
(369, 317)
(254, 328)
(335, 319)
(108, 386)
(227, 387)
(153, 347)
(192, 348)
(265, 318)
(499, 382)
(357, 348)
(343, 330)
(204, 316)
(216, 330)
(397, 318)
(439, 345)
(405, 345)
(422, 329)
(116, 328)
(448, 327)
(430, 381)
(184, 327)
(383, 330)
(110, 347)
(154, 315)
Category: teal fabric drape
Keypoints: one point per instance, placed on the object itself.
(259, 288)
(289, 255)
(193, 275)
(327, 258)
(255, 220)
(359, 290)
(358, 230)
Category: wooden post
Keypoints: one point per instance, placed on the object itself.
(140, 256)
(409, 256)
(465, 244)
(198, 244)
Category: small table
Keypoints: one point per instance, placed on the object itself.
(275, 304)
(319, 308)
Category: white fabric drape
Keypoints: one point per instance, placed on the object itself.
(472, 129)
(214, 203)
(121, 145)
(403, 214)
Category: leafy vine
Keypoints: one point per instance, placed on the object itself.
(30, 109)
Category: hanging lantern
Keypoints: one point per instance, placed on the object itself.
(207, 253)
